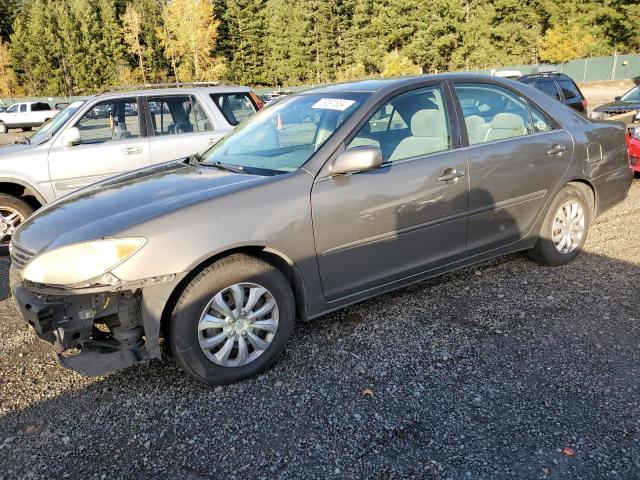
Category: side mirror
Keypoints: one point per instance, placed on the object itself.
(71, 137)
(617, 99)
(358, 159)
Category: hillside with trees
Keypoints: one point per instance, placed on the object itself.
(71, 47)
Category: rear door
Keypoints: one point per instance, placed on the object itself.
(112, 142)
(180, 126)
(517, 157)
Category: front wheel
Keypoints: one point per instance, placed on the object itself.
(232, 320)
(565, 227)
(13, 212)
(3, 128)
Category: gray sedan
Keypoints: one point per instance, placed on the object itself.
(323, 200)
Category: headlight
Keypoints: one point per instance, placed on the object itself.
(81, 262)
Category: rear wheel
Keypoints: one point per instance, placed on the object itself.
(3, 128)
(565, 227)
(232, 320)
(13, 212)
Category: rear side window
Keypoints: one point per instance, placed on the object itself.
(548, 87)
(23, 107)
(236, 107)
(569, 90)
(177, 114)
(494, 113)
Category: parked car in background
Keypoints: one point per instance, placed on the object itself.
(111, 133)
(3, 108)
(628, 102)
(323, 200)
(26, 115)
(558, 86)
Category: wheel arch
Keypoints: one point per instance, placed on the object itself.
(589, 188)
(23, 190)
(274, 257)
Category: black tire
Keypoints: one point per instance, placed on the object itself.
(183, 327)
(18, 205)
(545, 252)
(3, 128)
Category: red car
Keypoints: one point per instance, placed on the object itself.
(634, 150)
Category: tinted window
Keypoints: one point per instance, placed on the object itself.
(40, 107)
(236, 107)
(111, 120)
(493, 113)
(410, 125)
(569, 90)
(548, 87)
(177, 114)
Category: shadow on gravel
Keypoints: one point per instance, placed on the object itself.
(487, 372)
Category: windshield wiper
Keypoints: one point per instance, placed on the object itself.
(225, 166)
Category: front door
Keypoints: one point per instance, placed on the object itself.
(517, 156)
(406, 217)
(110, 143)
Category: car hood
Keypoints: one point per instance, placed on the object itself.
(11, 149)
(114, 205)
(620, 106)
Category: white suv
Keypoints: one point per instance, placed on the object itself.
(111, 133)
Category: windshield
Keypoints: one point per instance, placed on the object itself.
(283, 137)
(632, 95)
(46, 131)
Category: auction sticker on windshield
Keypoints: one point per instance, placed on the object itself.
(333, 104)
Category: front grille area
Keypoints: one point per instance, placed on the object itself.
(20, 256)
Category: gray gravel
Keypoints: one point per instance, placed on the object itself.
(489, 372)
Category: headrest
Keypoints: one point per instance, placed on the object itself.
(428, 122)
(508, 121)
(473, 121)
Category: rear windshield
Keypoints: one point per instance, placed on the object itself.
(236, 107)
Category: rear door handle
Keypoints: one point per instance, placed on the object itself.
(557, 150)
(451, 175)
(131, 150)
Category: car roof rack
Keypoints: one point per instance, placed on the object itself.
(150, 86)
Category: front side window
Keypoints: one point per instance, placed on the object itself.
(236, 107)
(283, 137)
(178, 114)
(12, 109)
(111, 120)
(46, 131)
(493, 113)
(410, 125)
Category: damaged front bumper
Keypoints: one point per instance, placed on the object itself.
(110, 329)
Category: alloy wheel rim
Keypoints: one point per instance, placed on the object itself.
(10, 219)
(238, 324)
(568, 227)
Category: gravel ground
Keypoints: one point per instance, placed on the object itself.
(503, 370)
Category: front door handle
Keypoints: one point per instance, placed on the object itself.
(451, 175)
(131, 150)
(557, 150)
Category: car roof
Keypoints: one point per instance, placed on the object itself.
(384, 84)
(543, 75)
(172, 90)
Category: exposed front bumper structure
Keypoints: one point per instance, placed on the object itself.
(96, 332)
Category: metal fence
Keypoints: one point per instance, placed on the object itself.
(594, 69)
